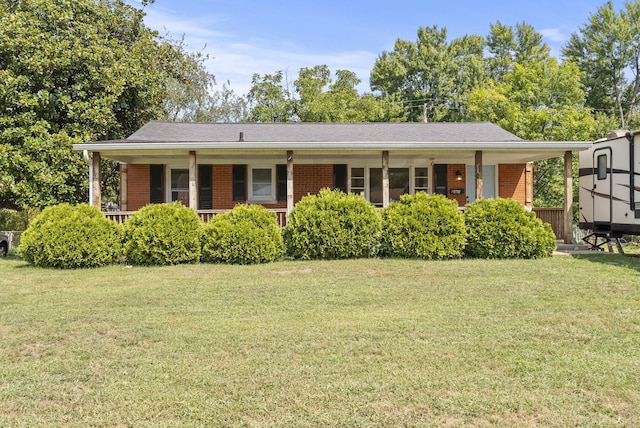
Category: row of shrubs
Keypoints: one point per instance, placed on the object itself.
(330, 225)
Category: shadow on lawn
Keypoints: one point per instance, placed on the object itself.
(630, 261)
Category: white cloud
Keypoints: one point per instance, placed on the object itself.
(554, 35)
(236, 59)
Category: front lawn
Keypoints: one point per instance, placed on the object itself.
(549, 342)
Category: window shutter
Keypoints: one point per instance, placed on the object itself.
(281, 180)
(239, 183)
(156, 184)
(340, 177)
(205, 201)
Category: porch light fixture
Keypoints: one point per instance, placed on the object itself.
(458, 176)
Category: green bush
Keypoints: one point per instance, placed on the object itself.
(162, 234)
(248, 234)
(333, 225)
(423, 226)
(69, 237)
(16, 220)
(503, 228)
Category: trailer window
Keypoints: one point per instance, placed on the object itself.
(602, 167)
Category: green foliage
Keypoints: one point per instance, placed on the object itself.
(69, 237)
(502, 228)
(606, 51)
(162, 234)
(73, 71)
(247, 234)
(333, 225)
(423, 226)
(16, 220)
(431, 72)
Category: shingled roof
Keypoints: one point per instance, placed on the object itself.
(321, 132)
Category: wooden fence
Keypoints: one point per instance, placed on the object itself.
(553, 216)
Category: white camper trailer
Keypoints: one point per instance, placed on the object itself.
(610, 186)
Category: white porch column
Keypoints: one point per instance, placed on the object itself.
(193, 181)
(568, 197)
(289, 181)
(96, 199)
(124, 186)
(478, 175)
(385, 179)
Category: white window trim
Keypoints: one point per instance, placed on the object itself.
(167, 179)
(271, 199)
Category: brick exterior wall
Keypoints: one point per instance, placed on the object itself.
(310, 179)
(512, 182)
(454, 183)
(138, 180)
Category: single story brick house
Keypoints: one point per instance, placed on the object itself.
(211, 167)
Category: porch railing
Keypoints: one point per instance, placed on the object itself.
(553, 216)
(205, 215)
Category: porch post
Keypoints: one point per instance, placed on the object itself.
(289, 181)
(385, 179)
(568, 197)
(193, 184)
(124, 186)
(528, 185)
(96, 199)
(478, 175)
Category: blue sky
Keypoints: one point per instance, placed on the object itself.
(243, 37)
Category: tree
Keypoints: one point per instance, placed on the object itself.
(607, 51)
(316, 97)
(325, 100)
(270, 99)
(431, 73)
(73, 71)
(538, 100)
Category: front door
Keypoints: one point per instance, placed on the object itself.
(602, 188)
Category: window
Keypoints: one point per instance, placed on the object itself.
(398, 184)
(602, 167)
(357, 181)
(180, 186)
(421, 180)
(262, 186)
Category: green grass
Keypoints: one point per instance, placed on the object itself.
(553, 342)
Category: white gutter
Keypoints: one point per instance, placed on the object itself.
(124, 145)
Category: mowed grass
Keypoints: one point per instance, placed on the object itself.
(553, 342)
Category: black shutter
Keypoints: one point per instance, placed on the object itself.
(239, 183)
(340, 177)
(205, 201)
(156, 184)
(281, 179)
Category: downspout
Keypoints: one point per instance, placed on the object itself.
(632, 169)
(87, 158)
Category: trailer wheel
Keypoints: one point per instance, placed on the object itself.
(3, 249)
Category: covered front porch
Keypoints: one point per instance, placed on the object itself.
(275, 165)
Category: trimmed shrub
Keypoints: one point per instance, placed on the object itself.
(162, 234)
(333, 225)
(503, 228)
(423, 226)
(248, 234)
(69, 237)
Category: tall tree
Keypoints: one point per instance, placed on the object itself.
(322, 99)
(508, 45)
(431, 73)
(73, 71)
(316, 97)
(607, 50)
